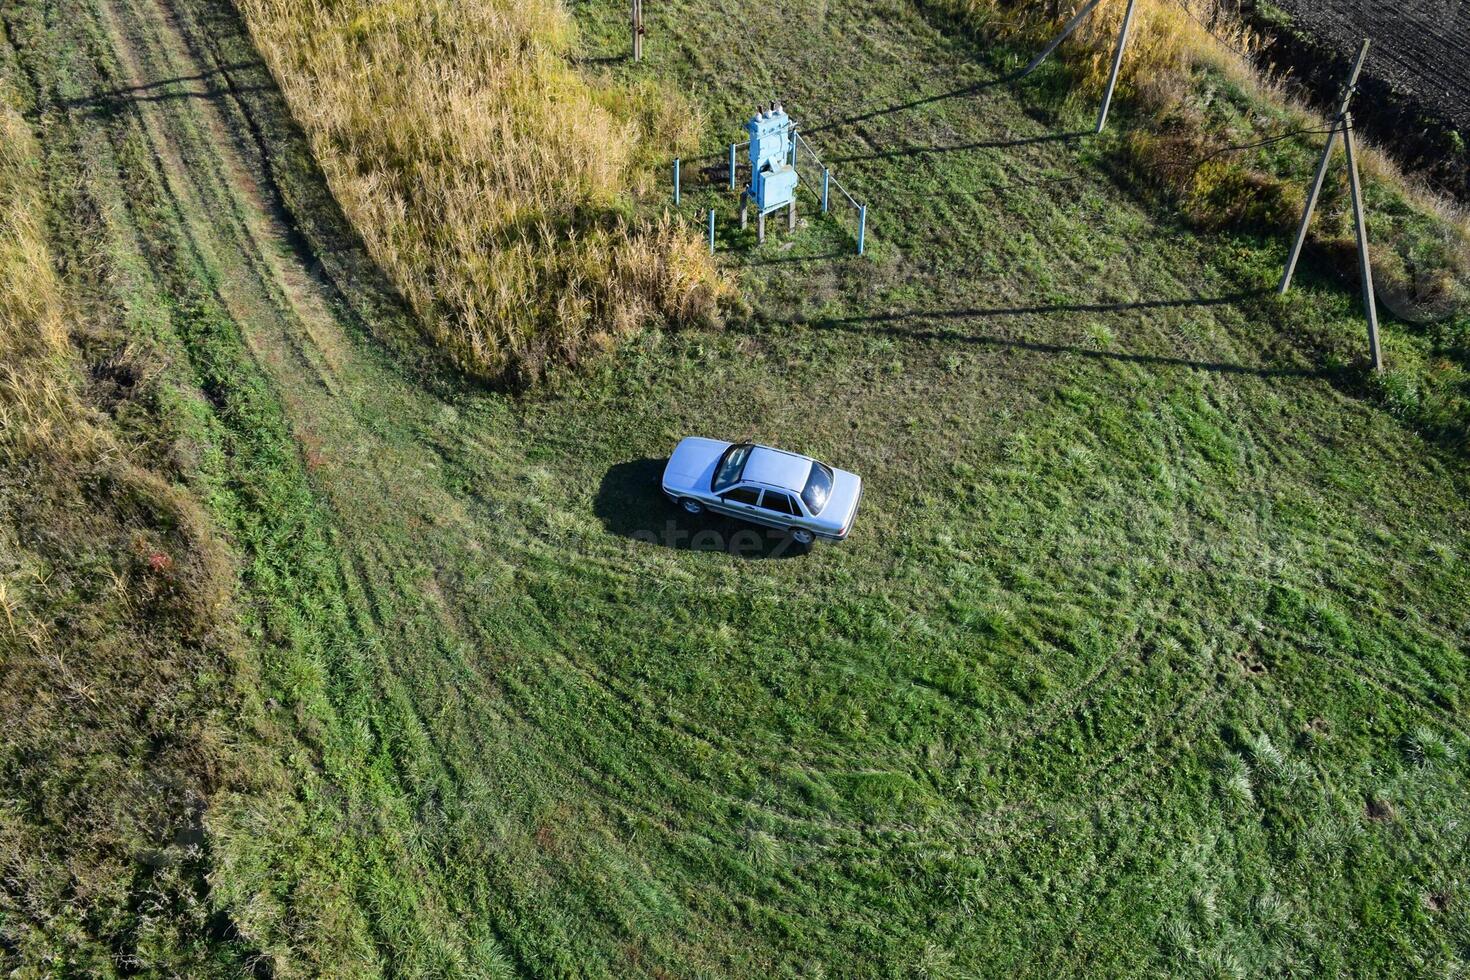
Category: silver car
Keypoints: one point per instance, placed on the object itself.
(794, 493)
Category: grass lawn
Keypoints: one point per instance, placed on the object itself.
(1148, 651)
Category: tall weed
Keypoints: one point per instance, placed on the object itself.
(487, 176)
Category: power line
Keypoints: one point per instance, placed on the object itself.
(1184, 6)
(1269, 141)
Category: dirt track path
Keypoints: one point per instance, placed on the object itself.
(230, 235)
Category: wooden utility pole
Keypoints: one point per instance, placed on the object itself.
(1343, 125)
(636, 13)
(1349, 90)
(1102, 117)
(1365, 259)
(1056, 42)
(1071, 28)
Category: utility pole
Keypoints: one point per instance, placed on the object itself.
(1343, 124)
(1071, 28)
(1102, 117)
(636, 13)
(1349, 90)
(1056, 42)
(1365, 260)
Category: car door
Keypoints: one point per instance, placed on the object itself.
(738, 502)
(778, 509)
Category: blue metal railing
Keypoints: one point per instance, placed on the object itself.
(828, 182)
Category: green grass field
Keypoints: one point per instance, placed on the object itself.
(1148, 653)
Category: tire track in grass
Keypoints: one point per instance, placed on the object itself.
(498, 702)
(300, 299)
(251, 284)
(185, 200)
(259, 294)
(1046, 716)
(1202, 703)
(628, 798)
(1013, 823)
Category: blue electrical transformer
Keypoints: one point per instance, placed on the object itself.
(773, 179)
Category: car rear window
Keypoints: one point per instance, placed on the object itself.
(730, 466)
(818, 488)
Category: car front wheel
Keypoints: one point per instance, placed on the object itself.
(802, 536)
(691, 506)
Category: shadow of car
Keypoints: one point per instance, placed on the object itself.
(630, 504)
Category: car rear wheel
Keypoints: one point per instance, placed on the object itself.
(691, 506)
(802, 536)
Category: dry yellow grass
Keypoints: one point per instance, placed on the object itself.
(486, 175)
(1165, 35)
(34, 401)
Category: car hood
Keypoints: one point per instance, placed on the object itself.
(692, 465)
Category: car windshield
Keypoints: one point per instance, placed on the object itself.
(731, 464)
(818, 488)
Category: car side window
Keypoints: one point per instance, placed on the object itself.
(741, 495)
(779, 502)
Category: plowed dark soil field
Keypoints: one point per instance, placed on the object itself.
(1419, 46)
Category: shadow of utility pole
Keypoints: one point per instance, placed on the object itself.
(883, 323)
(1006, 144)
(114, 99)
(959, 93)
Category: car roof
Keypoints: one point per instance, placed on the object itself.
(775, 468)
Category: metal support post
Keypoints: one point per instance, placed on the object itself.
(760, 228)
(791, 215)
(712, 231)
(826, 188)
(1107, 104)
(1365, 259)
(676, 181)
(732, 165)
(1316, 193)
(794, 138)
(862, 228)
(1056, 42)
